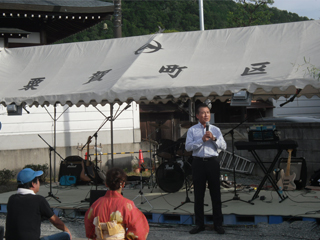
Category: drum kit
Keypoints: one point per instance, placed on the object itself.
(174, 165)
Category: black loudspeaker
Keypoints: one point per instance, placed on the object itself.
(297, 166)
(71, 166)
(95, 194)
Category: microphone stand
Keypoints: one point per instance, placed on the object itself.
(95, 135)
(96, 159)
(188, 187)
(50, 169)
(153, 172)
(152, 155)
(292, 98)
(236, 196)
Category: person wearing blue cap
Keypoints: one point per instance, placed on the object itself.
(25, 210)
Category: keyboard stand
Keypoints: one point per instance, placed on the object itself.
(279, 146)
(267, 175)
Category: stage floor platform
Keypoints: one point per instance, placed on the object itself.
(160, 208)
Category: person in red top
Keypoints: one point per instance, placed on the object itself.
(113, 216)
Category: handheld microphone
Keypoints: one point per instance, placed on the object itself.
(207, 126)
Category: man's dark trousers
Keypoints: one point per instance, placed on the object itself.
(204, 170)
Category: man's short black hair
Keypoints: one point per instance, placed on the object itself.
(201, 105)
(28, 185)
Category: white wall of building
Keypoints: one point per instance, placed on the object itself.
(73, 127)
(300, 107)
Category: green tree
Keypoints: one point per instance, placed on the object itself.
(144, 17)
(250, 13)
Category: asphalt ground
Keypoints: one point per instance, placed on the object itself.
(286, 230)
(303, 230)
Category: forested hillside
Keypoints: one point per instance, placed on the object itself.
(144, 17)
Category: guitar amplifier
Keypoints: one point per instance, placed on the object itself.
(67, 180)
(299, 167)
(71, 166)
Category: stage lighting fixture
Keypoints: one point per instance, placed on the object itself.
(241, 98)
(13, 109)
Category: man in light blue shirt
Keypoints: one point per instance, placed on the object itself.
(205, 141)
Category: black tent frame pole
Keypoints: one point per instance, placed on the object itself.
(111, 127)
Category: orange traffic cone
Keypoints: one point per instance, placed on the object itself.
(141, 161)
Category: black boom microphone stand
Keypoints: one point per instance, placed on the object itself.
(292, 98)
(235, 197)
(50, 169)
(95, 135)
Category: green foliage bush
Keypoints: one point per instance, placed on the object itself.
(6, 175)
(39, 167)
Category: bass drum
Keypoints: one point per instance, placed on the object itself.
(170, 177)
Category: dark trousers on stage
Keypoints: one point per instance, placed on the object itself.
(204, 171)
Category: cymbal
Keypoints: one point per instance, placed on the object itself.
(158, 125)
(188, 124)
(150, 140)
(184, 136)
(167, 156)
(182, 152)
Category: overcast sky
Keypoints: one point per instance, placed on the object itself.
(304, 8)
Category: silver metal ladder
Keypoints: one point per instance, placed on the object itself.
(242, 165)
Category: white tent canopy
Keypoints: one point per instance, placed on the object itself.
(268, 61)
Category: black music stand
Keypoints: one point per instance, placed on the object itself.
(236, 196)
(50, 169)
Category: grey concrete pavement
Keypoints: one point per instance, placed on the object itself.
(302, 230)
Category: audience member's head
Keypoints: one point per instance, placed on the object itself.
(115, 177)
(27, 176)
